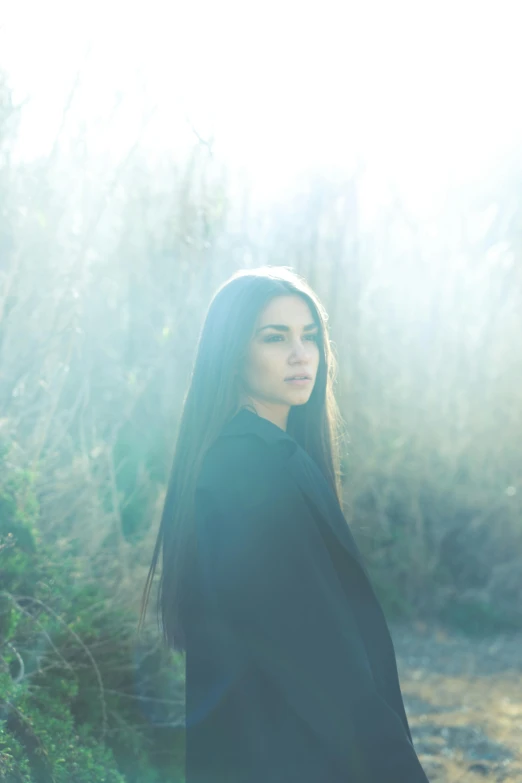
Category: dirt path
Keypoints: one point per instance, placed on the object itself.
(463, 697)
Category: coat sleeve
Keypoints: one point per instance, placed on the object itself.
(275, 586)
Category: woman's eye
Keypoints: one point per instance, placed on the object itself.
(274, 337)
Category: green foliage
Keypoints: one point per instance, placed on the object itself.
(477, 617)
(136, 451)
(68, 665)
(14, 764)
(394, 604)
(56, 750)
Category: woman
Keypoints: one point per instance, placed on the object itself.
(291, 674)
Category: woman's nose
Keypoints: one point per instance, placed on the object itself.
(299, 349)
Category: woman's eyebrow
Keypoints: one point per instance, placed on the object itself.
(284, 328)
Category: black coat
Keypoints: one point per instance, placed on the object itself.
(291, 674)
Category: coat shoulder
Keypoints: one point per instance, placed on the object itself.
(242, 464)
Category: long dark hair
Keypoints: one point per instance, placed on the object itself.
(212, 399)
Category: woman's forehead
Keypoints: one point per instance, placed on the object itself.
(288, 310)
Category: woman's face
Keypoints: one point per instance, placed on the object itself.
(284, 344)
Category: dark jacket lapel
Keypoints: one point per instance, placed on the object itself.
(305, 472)
(321, 497)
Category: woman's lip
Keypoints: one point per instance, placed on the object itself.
(297, 380)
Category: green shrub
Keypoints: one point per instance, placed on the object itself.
(68, 676)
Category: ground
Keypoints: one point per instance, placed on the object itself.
(463, 697)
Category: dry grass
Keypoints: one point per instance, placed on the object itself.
(466, 724)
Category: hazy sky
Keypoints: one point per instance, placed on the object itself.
(427, 93)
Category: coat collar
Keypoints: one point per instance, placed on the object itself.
(304, 471)
(246, 421)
